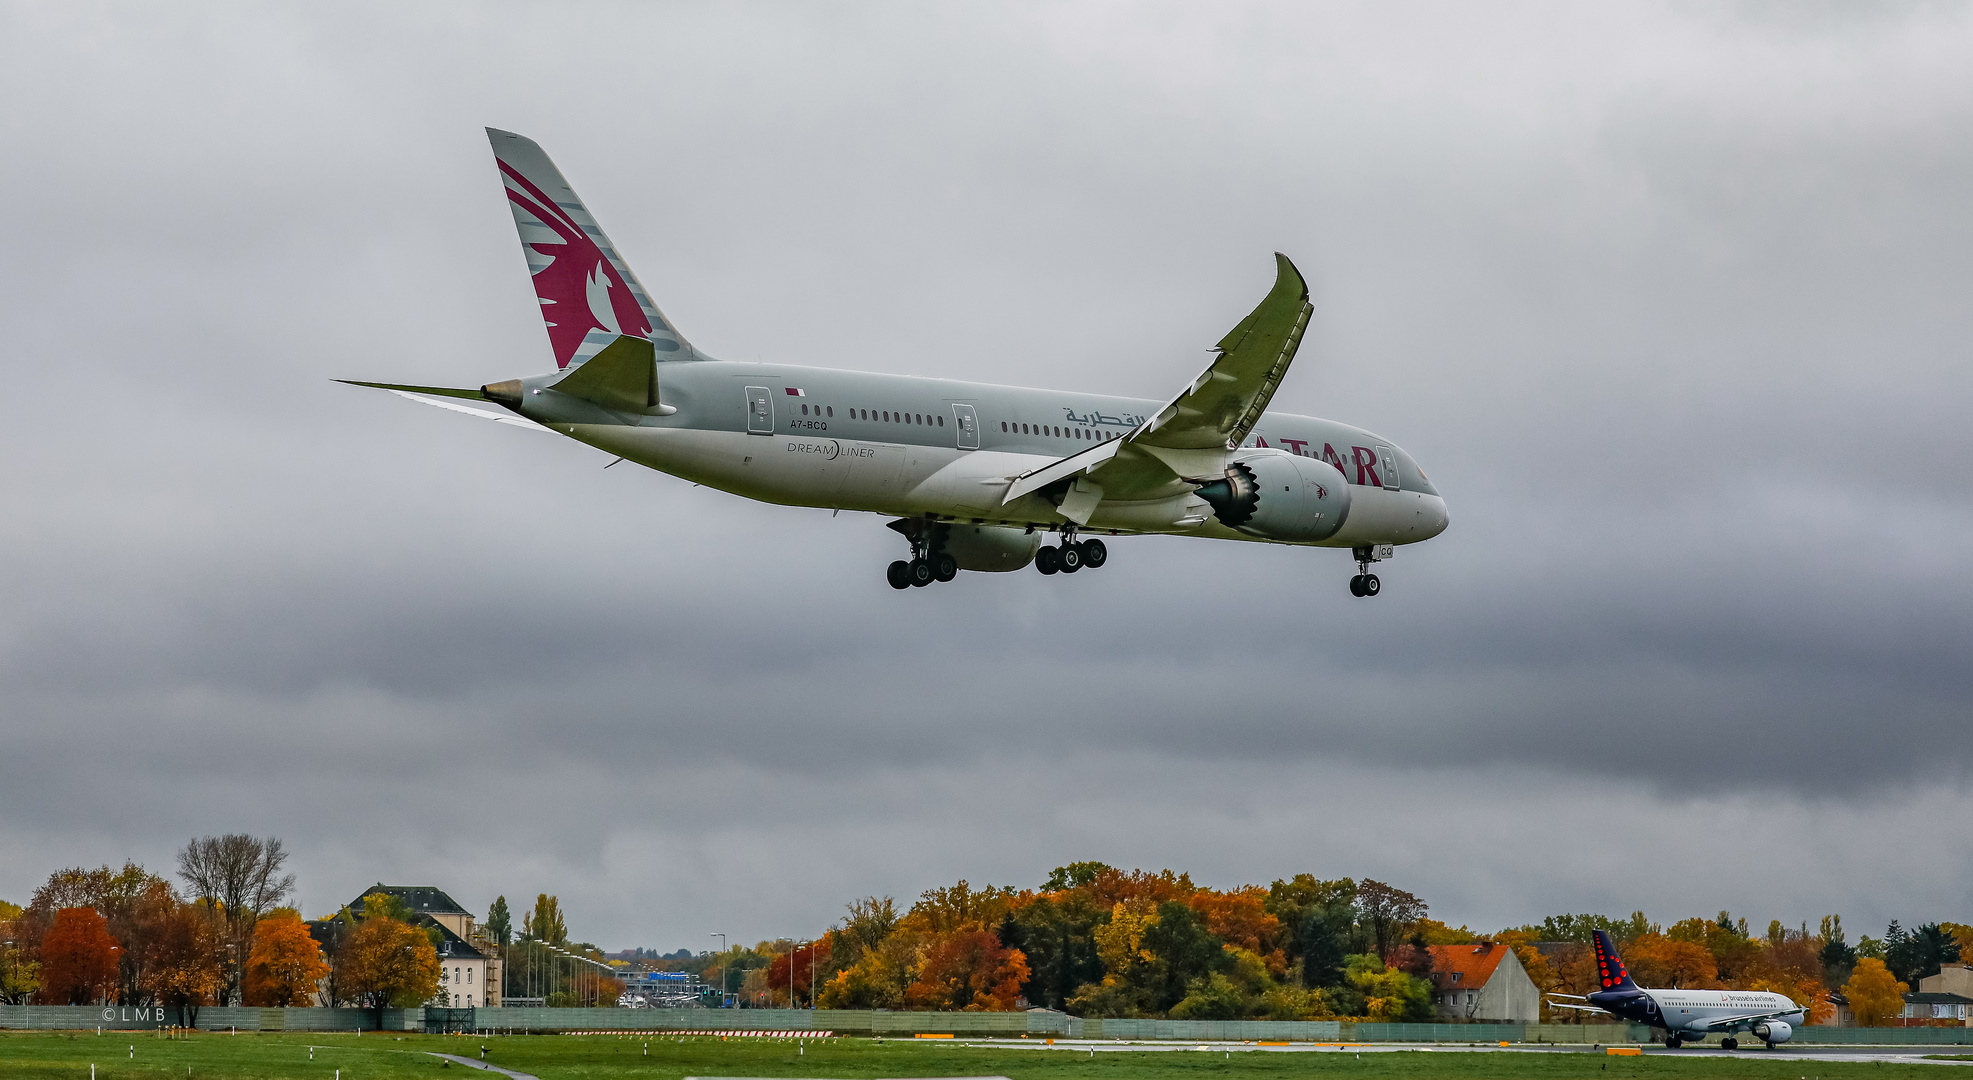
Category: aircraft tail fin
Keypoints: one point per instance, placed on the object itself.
(1610, 970)
(589, 296)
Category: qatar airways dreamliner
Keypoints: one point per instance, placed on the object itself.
(1688, 1015)
(975, 475)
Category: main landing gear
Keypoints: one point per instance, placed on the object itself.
(1365, 583)
(1072, 556)
(929, 561)
(1729, 1043)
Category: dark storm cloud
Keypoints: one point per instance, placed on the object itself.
(1669, 302)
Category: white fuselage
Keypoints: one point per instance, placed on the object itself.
(905, 446)
(1697, 1009)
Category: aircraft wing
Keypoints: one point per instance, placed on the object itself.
(1718, 1022)
(1214, 413)
(1579, 1008)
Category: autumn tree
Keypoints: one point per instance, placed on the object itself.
(385, 963)
(286, 963)
(969, 970)
(239, 877)
(78, 958)
(797, 971)
(1657, 960)
(131, 900)
(184, 968)
(1874, 994)
(20, 976)
(1390, 911)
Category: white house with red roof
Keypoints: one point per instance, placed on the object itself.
(1483, 981)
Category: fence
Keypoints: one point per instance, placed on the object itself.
(1037, 1022)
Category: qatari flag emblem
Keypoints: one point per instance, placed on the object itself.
(794, 392)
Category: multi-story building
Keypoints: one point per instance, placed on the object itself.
(468, 960)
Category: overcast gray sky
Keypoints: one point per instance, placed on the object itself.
(1671, 301)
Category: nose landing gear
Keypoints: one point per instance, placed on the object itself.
(1365, 583)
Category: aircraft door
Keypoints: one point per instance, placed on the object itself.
(969, 427)
(760, 411)
(1387, 459)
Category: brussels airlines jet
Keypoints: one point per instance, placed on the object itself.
(1688, 1015)
(974, 475)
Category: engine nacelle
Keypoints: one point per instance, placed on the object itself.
(1774, 1031)
(990, 548)
(1277, 495)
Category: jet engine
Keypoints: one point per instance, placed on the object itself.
(1774, 1031)
(990, 548)
(1276, 495)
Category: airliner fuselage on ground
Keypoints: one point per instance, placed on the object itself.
(1688, 1015)
(975, 475)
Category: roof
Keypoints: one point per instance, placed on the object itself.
(1474, 964)
(1936, 997)
(423, 899)
(451, 946)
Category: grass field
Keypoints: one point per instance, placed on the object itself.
(568, 1057)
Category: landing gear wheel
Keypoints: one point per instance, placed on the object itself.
(1094, 554)
(921, 572)
(1729, 1044)
(1672, 1044)
(1356, 585)
(946, 567)
(899, 574)
(1071, 558)
(1048, 560)
(1371, 584)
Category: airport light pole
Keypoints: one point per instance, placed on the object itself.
(811, 974)
(722, 968)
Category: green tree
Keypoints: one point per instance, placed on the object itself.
(544, 923)
(1076, 875)
(1057, 937)
(1916, 954)
(499, 923)
(1838, 958)
(1319, 920)
(1390, 995)
(1182, 950)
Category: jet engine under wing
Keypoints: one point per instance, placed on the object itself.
(1214, 413)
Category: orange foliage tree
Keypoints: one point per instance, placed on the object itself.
(970, 971)
(285, 964)
(795, 972)
(1875, 995)
(1239, 918)
(184, 967)
(78, 958)
(385, 962)
(1656, 960)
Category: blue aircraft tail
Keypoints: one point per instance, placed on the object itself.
(1610, 970)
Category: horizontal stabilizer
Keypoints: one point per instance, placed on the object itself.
(430, 395)
(438, 391)
(623, 376)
